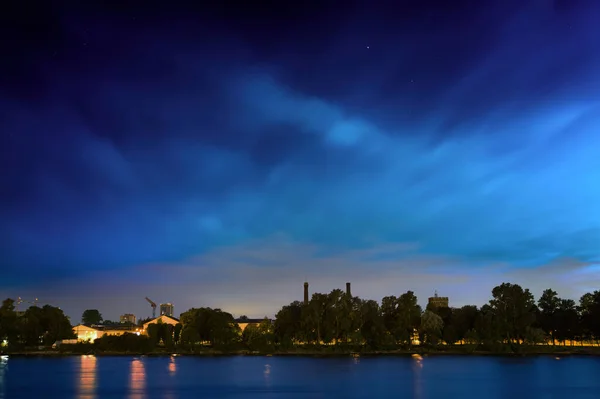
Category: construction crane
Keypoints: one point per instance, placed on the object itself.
(20, 301)
(153, 307)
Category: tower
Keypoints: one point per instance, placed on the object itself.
(348, 292)
(438, 301)
(306, 293)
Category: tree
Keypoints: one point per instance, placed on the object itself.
(213, 326)
(549, 304)
(566, 321)
(91, 316)
(448, 333)
(313, 317)
(461, 324)
(514, 311)
(431, 327)
(288, 326)
(259, 337)
(124, 343)
(336, 317)
(401, 316)
(371, 327)
(177, 333)
(44, 325)
(8, 323)
(589, 309)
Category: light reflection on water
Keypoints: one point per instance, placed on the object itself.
(137, 380)
(446, 377)
(267, 374)
(417, 377)
(172, 366)
(3, 366)
(87, 377)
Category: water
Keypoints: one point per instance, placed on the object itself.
(88, 377)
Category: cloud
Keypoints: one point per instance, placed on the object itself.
(478, 149)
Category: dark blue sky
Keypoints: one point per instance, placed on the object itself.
(221, 155)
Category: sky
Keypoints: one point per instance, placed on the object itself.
(221, 155)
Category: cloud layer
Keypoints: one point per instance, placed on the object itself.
(179, 159)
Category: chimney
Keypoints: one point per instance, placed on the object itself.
(348, 290)
(306, 293)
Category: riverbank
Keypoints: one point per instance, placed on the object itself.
(328, 352)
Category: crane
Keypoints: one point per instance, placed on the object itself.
(153, 307)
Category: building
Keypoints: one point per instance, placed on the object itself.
(164, 319)
(92, 332)
(128, 318)
(167, 309)
(438, 301)
(245, 322)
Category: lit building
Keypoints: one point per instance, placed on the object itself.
(438, 301)
(163, 319)
(167, 309)
(93, 332)
(128, 318)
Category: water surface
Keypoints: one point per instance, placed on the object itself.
(183, 377)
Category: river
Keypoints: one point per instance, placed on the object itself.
(443, 377)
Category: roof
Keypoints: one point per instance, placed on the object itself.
(112, 327)
(92, 326)
(161, 316)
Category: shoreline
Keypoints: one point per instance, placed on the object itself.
(594, 351)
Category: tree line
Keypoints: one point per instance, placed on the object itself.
(35, 327)
(510, 321)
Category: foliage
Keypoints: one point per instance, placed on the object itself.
(509, 320)
(91, 316)
(35, 327)
(210, 326)
(401, 316)
(161, 334)
(337, 322)
(431, 327)
(513, 311)
(259, 337)
(8, 323)
(123, 343)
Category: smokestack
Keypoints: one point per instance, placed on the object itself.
(348, 290)
(306, 293)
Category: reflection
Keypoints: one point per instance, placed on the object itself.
(172, 366)
(87, 377)
(3, 366)
(417, 381)
(137, 379)
(267, 374)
